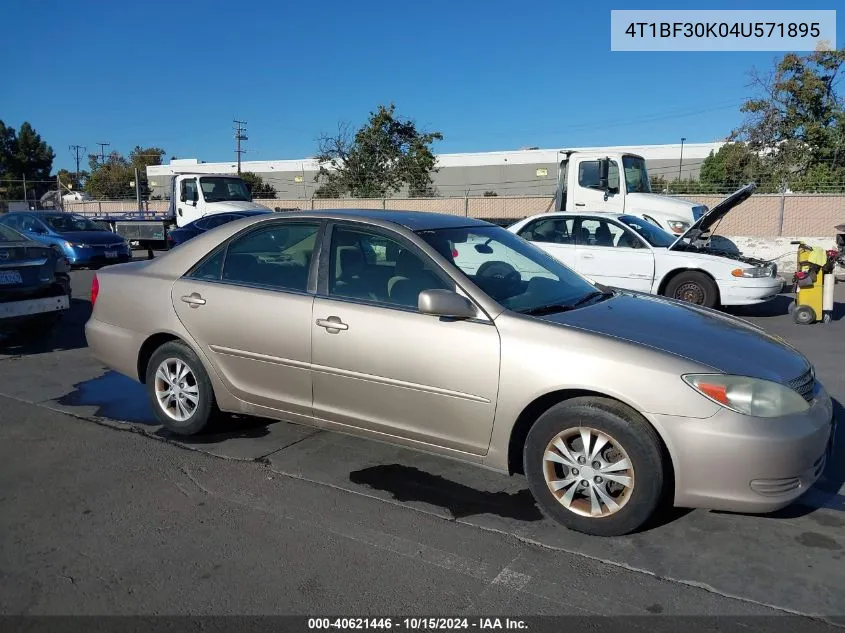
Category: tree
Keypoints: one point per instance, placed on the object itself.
(257, 186)
(24, 155)
(110, 179)
(70, 180)
(383, 156)
(734, 165)
(796, 121)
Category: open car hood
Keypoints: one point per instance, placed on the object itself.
(706, 222)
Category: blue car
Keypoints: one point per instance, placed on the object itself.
(83, 242)
(197, 227)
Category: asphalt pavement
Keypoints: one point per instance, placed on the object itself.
(259, 517)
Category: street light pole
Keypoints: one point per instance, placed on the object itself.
(681, 161)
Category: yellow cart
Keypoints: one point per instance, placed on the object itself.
(813, 284)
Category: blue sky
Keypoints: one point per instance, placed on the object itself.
(488, 75)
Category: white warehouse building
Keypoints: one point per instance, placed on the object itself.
(527, 172)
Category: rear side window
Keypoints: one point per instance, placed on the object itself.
(275, 256)
(211, 268)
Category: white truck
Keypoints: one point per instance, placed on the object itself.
(619, 183)
(192, 196)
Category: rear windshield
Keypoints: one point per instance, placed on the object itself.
(10, 235)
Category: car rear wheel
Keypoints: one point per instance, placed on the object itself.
(693, 287)
(179, 389)
(595, 466)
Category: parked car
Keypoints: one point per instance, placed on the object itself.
(366, 322)
(84, 243)
(628, 252)
(34, 284)
(183, 234)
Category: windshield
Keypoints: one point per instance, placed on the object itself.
(651, 233)
(10, 235)
(636, 175)
(62, 223)
(513, 272)
(219, 188)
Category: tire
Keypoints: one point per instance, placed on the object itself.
(626, 430)
(803, 315)
(693, 287)
(193, 419)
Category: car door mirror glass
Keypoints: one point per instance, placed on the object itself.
(485, 249)
(446, 303)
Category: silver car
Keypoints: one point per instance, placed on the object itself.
(365, 322)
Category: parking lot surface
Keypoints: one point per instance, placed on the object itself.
(269, 517)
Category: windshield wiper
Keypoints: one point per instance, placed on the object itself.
(564, 307)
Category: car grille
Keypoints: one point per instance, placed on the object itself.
(804, 385)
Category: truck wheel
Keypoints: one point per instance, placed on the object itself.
(595, 466)
(693, 287)
(803, 315)
(179, 389)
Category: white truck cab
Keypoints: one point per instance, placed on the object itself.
(619, 183)
(193, 196)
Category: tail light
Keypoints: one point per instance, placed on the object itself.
(454, 252)
(95, 290)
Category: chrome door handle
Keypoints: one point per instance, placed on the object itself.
(332, 323)
(194, 300)
(580, 204)
(587, 256)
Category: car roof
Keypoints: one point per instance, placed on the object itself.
(411, 220)
(601, 215)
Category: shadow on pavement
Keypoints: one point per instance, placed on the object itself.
(68, 334)
(406, 483)
(224, 427)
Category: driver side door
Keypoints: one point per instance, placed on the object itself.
(381, 366)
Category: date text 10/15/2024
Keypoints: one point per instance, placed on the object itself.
(416, 624)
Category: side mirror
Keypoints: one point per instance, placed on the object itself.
(195, 197)
(604, 169)
(445, 303)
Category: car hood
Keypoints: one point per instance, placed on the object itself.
(714, 215)
(725, 343)
(91, 237)
(235, 205)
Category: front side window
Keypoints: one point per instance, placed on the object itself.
(215, 221)
(275, 256)
(369, 266)
(513, 272)
(221, 188)
(189, 190)
(588, 175)
(31, 223)
(63, 223)
(603, 233)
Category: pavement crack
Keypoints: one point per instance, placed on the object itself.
(264, 459)
(193, 479)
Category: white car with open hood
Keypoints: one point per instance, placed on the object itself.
(626, 251)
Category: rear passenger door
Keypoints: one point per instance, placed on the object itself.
(381, 366)
(248, 307)
(554, 235)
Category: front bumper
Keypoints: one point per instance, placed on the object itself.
(738, 463)
(740, 292)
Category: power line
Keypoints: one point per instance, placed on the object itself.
(240, 135)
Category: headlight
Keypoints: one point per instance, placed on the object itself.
(756, 272)
(77, 245)
(677, 226)
(749, 396)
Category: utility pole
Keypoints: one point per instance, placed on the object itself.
(138, 189)
(681, 162)
(103, 147)
(77, 149)
(240, 135)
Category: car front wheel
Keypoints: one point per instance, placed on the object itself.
(595, 466)
(179, 389)
(693, 287)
